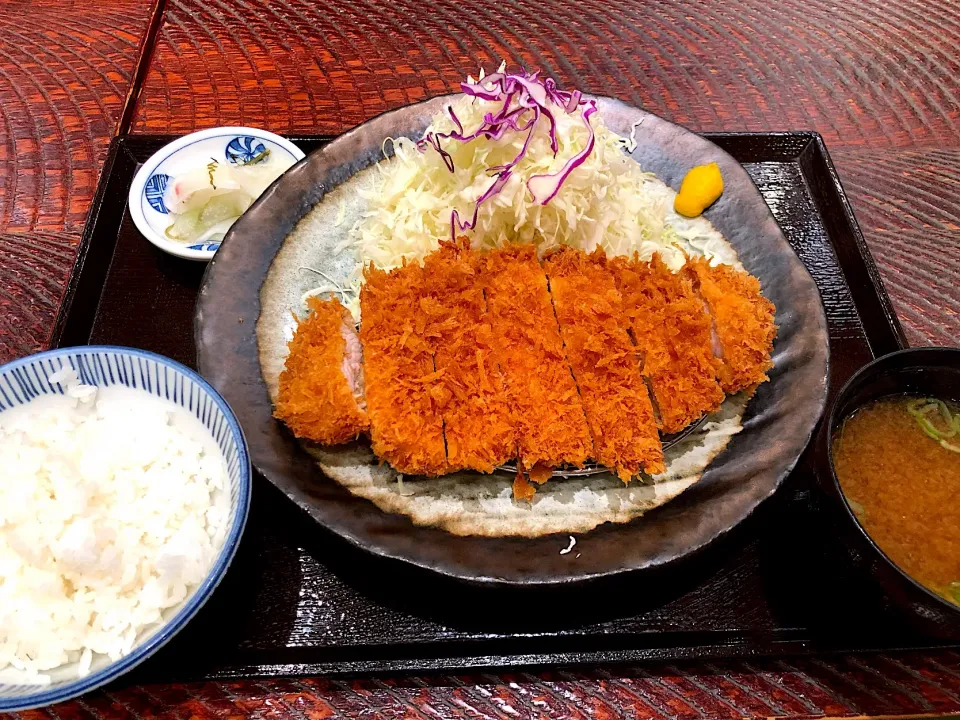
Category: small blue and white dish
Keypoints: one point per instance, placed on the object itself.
(233, 145)
(26, 380)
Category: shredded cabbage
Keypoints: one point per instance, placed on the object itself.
(516, 160)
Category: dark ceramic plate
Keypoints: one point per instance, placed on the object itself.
(776, 427)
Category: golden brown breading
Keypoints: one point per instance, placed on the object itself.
(522, 489)
(743, 320)
(551, 427)
(477, 423)
(605, 363)
(315, 398)
(403, 395)
(671, 328)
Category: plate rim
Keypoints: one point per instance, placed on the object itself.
(465, 574)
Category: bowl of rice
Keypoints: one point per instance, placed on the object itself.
(125, 490)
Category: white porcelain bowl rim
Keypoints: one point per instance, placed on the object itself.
(166, 632)
(147, 169)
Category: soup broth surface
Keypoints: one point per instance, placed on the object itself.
(904, 487)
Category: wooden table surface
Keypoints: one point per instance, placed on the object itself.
(877, 79)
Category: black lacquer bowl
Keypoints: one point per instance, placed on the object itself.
(928, 372)
(777, 425)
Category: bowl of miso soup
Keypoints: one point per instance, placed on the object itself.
(893, 449)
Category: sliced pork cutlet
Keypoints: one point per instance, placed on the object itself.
(743, 320)
(551, 427)
(671, 328)
(321, 396)
(406, 428)
(605, 363)
(477, 423)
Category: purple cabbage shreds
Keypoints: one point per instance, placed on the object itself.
(547, 186)
(521, 95)
(573, 101)
(554, 142)
(456, 120)
(494, 188)
(478, 89)
(529, 128)
(435, 143)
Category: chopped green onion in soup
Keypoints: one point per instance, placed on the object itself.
(926, 410)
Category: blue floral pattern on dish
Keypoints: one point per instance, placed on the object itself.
(205, 247)
(242, 150)
(27, 379)
(154, 189)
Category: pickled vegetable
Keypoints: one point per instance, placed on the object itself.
(206, 200)
(701, 187)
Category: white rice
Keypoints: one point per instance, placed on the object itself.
(112, 510)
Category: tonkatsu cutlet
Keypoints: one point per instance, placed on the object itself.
(551, 427)
(605, 363)
(477, 423)
(743, 321)
(671, 328)
(321, 394)
(406, 428)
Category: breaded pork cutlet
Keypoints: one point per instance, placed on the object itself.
(321, 396)
(743, 320)
(671, 328)
(406, 428)
(477, 422)
(551, 427)
(605, 363)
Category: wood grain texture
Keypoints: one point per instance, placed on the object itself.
(871, 76)
(877, 79)
(908, 205)
(34, 269)
(65, 70)
(859, 72)
(888, 685)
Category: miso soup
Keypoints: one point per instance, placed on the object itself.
(898, 463)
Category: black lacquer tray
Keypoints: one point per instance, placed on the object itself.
(299, 600)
